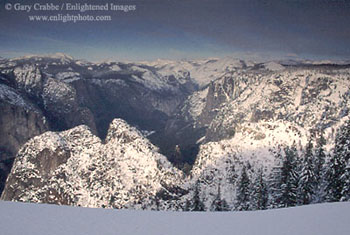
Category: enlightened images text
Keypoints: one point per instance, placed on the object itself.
(69, 7)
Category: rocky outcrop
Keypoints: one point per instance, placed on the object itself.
(75, 168)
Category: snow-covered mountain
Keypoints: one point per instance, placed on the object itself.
(201, 71)
(215, 119)
(248, 115)
(257, 108)
(75, 167)
(56, 92)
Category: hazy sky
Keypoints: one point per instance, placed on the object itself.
(315, 29)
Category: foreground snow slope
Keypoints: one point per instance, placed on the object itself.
(20, 218)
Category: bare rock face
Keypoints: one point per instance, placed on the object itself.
(19, 121)
(75, 168)
(18, 126)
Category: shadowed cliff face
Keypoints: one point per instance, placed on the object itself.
(17, 126)
(19, 121)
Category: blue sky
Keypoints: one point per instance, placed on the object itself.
(187, 29)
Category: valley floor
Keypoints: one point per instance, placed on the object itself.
(25, 218)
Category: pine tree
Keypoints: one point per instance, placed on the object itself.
(224, 205)
(259, 198)
(187, 206)
(334, 187)
(346, 188)
(233, 175)
(289, 178)
(343, 141)
(337, 163)
(219, 204)
(307, 182)
(320, 157)
(197, 203)
(319, 164)
(243, 192)
(275, 181)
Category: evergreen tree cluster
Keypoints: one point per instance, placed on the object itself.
(301, 177)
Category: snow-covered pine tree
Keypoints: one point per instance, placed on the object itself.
(307, 181)
(335, 169)
(320, 157)
(337, 163)
(289, 178)
(319, 164)
(346, 188)
(259, 199)
(219, 204)
(243, 191)
(275, 180)
(197, 204)
(343, 141)
(187, 206)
